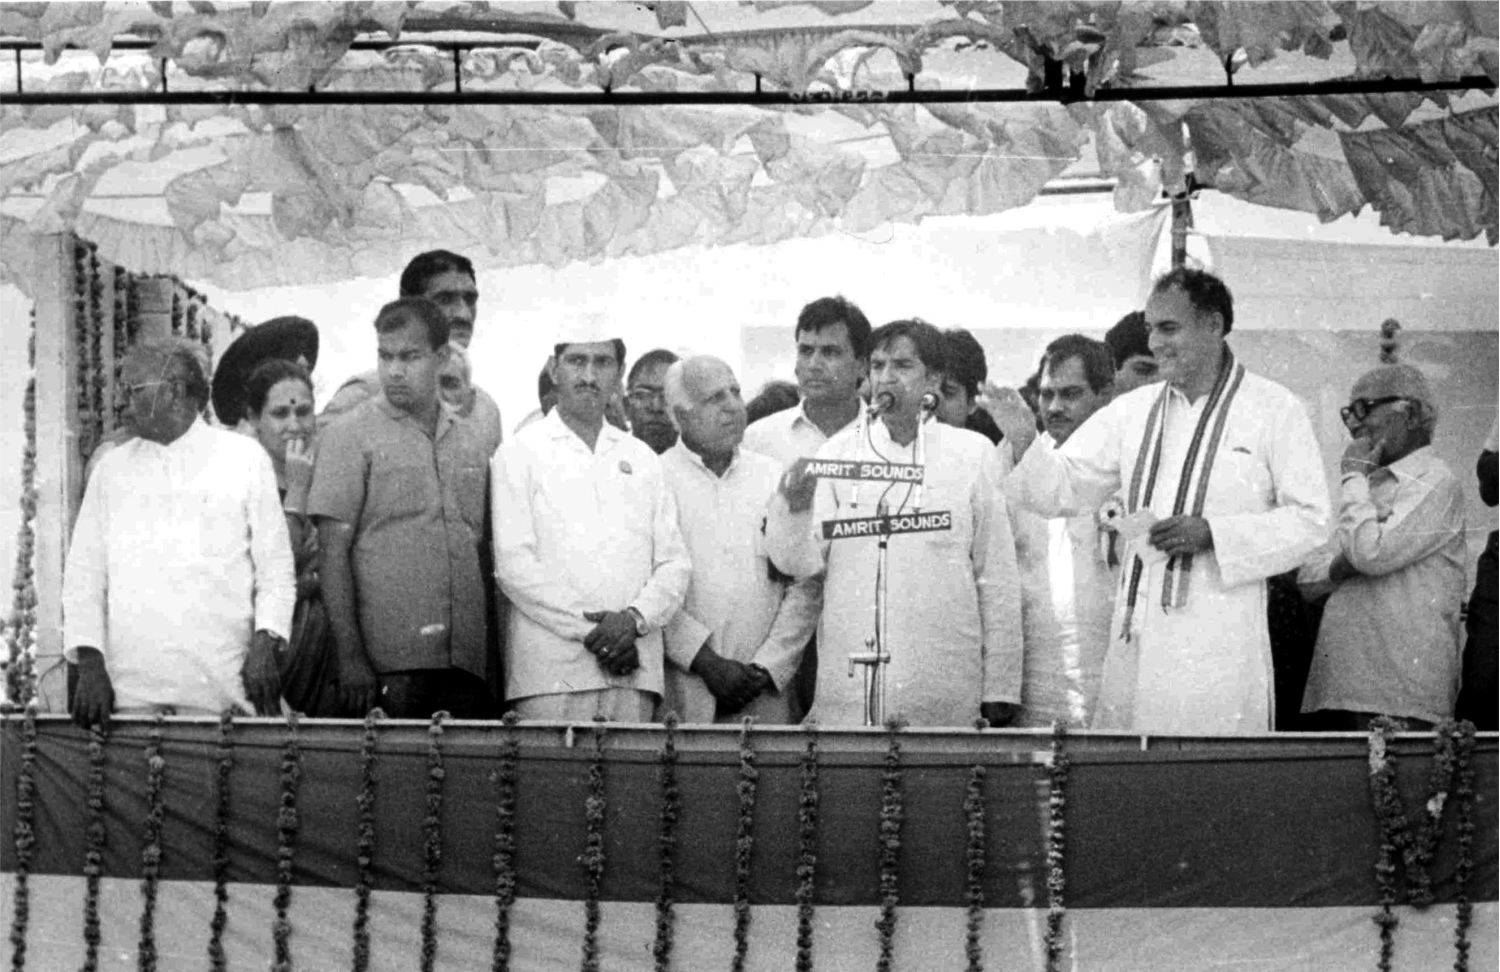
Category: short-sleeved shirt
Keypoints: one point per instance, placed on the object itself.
(417, 505)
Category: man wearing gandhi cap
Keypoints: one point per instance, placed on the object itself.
(1389, 641)
(587, 548)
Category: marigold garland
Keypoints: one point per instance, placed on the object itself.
(1057, 882)
(1464, 793)
(666, 843)
(974, 892)
(224, 757)
(121, 338)
(432, 840)
(83, 322)
(505, 841)
(20, 632)
(1401, 851)
(287, 824)
(744, 846)
(593, 853)
(151, 853)
(93, 857)
(892, 812)
(94, 431)
(25, 833)
(364, 850)
(807, 849)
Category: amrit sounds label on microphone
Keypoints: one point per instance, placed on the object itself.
(875, 526)
(880, 472)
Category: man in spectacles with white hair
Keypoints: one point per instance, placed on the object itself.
(1389, 642)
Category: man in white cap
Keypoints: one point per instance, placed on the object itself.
(1223, 487)
(735, 646)
(587, 549)
(1389, 642)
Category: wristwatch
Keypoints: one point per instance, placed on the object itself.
(760, 672)
(641, 627)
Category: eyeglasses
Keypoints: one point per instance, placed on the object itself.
(1360, 409)
(644, 397)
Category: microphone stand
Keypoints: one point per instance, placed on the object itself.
(876, 655)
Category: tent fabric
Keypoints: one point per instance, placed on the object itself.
(251, 196)
(1279, 828)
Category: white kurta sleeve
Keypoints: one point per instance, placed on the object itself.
(671, 569)
(85, 576)
(790, 541)
(796, 621)
(998, 583)
(270, 553)
(1426, 513)
(1252, 546)
(533, 588)
(683, 637)
(1079, 476)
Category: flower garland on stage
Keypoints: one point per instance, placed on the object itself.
(505, 841)
(93, 857)
(224, 753)
(287, 824)
(892, 812)
(1057, 880)
(123, 319)
(1402, 851)
(25, 832)
(20, 632)
(744, 846)
(807, 851)
(151, 853)
(974, 891)
(671, 809)
(364, 845)
(432, 831)
(593, 852)
(85, 327)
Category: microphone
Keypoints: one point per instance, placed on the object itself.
(883, 403)
(928, 403)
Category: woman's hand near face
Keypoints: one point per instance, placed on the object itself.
(299, 473)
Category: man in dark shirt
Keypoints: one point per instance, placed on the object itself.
(399, 494)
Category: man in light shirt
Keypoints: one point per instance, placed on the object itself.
(1223, 487)
(734, 647)
(1389, 641)
(1066, 582)
(645, 400)
(178, 589)
(833, 360)
(587, 549)
(954, 601)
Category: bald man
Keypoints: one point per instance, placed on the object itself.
(739, 638)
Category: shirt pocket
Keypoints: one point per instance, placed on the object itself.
(219, 522)
(400, 491)
(471, 488)
(1239, 473)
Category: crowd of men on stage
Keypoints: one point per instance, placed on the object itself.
(1104, 548)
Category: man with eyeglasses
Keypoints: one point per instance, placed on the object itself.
(399, 495)
(178, 588)
(646, 403)
(1223, 487)
(1389, 641)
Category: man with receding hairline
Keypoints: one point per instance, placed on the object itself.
(735, 646)
(1223, 487)
(178, 589)
(645, 404)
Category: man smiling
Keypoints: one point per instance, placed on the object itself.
(954, 601)
(1223, 488)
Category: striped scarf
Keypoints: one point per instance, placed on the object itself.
(1197, 466)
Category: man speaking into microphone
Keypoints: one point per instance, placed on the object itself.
(952, 618)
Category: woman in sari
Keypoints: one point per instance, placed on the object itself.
(279, 410)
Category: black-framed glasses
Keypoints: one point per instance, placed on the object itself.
(1360, 409)
(643, 396)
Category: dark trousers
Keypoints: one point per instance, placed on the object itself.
(417, 694)
(1476, 696)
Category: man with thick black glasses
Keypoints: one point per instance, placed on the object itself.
(1389, 642)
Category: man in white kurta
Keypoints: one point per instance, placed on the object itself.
(954, 610)
(743, 626)
(179, 577)
(1190, 651)
(587, 550)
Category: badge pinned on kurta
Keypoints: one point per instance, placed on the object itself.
(625, 467)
